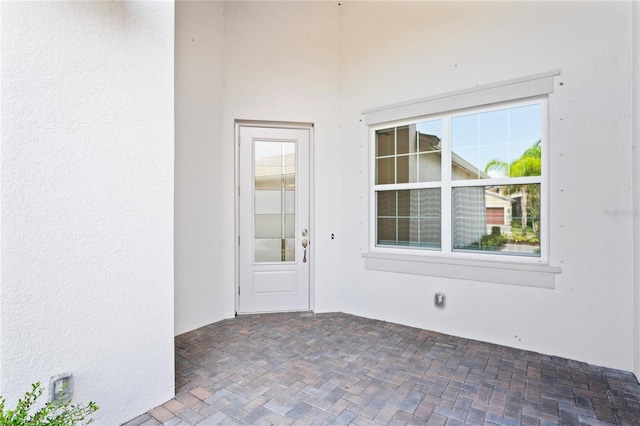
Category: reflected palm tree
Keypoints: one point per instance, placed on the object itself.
(529, 164)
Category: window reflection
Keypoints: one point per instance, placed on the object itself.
(485, 145)
(409, 154)
(501, 146)
(501, 219)
(409, 218)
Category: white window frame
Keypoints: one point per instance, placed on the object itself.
(477, 266)
(446, 184)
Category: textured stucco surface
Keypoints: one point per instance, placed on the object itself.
(279, 64)
(589, 314)
(199, 285)
(87, 201)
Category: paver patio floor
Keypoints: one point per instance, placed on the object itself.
(306, 369)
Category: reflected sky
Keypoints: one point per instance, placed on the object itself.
(432, 127)
(503, 135)
(266, 149)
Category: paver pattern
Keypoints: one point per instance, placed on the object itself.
(338, 369)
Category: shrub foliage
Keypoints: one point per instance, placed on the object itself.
(51, 414)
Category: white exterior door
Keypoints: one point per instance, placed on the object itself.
(274, 250)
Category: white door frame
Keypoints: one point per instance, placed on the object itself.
(236, 138)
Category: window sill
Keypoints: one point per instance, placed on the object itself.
(523, 274)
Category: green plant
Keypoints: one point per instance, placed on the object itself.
(520, 239)
(529, 164)
(51, 414)
(492, 240)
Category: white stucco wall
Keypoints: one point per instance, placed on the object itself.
(87, 201)
(199, 248)
(402, 51)
(324, 63)
(281, 63)
(86, 172)
(636, 184)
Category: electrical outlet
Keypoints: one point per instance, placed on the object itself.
(61, 387)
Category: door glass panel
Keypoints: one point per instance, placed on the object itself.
(274, 201)
(290, 249)
(290, 226)
(268, 201)
(267, 250)
(290, 202)
(268, 226)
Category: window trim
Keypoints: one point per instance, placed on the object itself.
(507, 269)
(494, 93)
(521, 274)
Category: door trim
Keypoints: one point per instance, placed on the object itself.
(236, 140)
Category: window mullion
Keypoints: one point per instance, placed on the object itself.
(497, 181)
(395, 179)
(446, 185)
(395, 154)
(400, 186)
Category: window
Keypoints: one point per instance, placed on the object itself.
(463, 183)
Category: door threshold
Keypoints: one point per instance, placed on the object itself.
(308, 312)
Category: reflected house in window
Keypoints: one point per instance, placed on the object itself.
(499, 210)
(270, 171)
(477, 209)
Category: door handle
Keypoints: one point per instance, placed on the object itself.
(305, 243)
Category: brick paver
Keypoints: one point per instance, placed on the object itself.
(282, 369)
